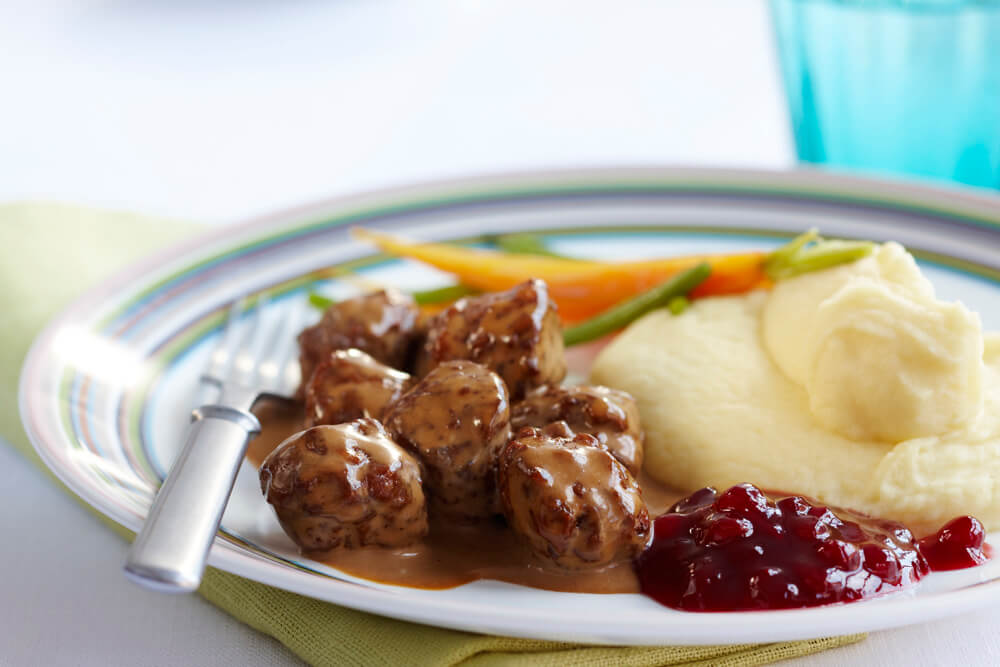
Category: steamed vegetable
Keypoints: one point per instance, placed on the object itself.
(678, 305)
(317, 300)
(809, 252)
(606, 292)
(581, 288)
(445, 294)
(523, 244)
(438, 295)
(626, 312)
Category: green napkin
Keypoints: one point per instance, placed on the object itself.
(50, 253)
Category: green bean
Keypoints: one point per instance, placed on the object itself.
(523, 244)
(319, 301)
(445, 294)
(823, 255)
(678, 305)
(442, 294)
(619, 316)
(784, 255)
(809, 252)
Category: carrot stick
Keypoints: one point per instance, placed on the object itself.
(486, 270)
(581, 288)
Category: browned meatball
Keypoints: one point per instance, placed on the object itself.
(573, 502)
(350, 385)
(455, 420)
(384, 324)
(345, 486)
(514, 333)
(609, 415)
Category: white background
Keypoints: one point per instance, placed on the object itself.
(215, 111)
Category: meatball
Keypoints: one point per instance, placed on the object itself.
(609, 415)
(573, 502)
(345, 486)
(385, 324)
(350, 385)
(514, 333)
(455, 420)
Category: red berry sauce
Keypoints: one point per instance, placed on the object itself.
(956, 546)
(741, 550)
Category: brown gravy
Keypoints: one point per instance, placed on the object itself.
(452, 555)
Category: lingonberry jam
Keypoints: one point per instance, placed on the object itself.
(956, 546)
(740, 550)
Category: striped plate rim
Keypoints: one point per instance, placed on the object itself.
(256, 239)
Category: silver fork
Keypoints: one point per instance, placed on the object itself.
(254, 358)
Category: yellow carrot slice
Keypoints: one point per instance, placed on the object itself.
(486, 270)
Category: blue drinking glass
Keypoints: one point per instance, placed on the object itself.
(894, 85)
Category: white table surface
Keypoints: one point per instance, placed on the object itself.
(219, 110)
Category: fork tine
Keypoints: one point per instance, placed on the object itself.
(287, 363)
(256, 351)
(277, 348)
(222, 357)
(245, 364)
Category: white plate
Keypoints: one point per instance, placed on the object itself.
(107, 387)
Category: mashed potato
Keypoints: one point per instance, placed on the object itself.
(854, 385)
(880, 357)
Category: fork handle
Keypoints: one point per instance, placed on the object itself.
(170, 551)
